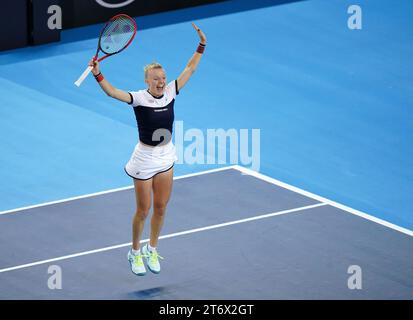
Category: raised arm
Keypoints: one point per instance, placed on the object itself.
(106, 86)
(193, 62)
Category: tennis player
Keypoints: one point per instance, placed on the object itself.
(151, 163)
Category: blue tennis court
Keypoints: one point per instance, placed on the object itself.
(242, 236)
(324, 189)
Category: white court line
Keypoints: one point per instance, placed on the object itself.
(248, 172)
(171, 235)
(107, 191)
(322, 199)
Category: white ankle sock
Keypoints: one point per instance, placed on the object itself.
(151, 249)
(136, 252)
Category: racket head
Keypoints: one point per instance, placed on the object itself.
(116, 35)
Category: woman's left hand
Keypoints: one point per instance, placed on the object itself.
(202, 37)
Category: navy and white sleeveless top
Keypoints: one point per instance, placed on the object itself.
(155, 115)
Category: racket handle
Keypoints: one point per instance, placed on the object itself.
(83, 76)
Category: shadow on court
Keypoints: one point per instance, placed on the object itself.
(255, 240)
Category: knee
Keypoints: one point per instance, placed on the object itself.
(159, 208)
(142, 212)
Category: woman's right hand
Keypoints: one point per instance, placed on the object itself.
(95, 65)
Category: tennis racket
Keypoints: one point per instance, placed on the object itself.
(116, 36)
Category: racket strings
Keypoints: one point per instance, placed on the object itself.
(117, 35)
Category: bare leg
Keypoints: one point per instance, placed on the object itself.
(162, 187)
(143, 190)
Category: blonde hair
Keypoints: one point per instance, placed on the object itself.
(153, 65)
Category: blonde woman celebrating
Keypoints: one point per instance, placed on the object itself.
(151, 163)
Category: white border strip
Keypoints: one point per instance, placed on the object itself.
(108, 191)
(324, 200)
(171, 235)
(248, 172)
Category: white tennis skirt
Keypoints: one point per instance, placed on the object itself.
(147, 161)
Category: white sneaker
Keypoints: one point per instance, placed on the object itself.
(152, 260)
(136, 264)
